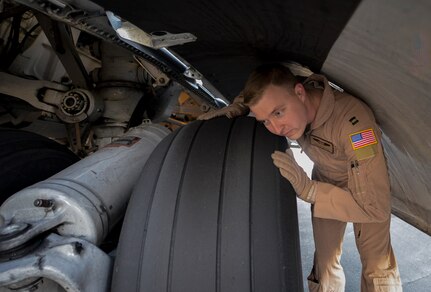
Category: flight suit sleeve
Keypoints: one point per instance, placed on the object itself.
(366, 199)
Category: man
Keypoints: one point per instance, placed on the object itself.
(349, 181)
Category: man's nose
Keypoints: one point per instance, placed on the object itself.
(278, 128)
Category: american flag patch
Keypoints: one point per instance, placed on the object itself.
(362, 139)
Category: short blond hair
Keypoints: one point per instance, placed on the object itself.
(264, 75)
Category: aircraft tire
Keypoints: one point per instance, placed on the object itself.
(27, 158)
(211, 213)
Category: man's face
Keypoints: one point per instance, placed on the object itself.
(282, 111)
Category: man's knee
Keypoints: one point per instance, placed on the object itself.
(391, 284)
(331, 286)
(326, 278)
(381, 273)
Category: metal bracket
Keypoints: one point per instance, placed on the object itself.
(18, 233)
(72, 263)
(70, 106)
(160, 78)
(155, 40)
(27, 90)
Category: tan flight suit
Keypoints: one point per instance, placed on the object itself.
(353, 186)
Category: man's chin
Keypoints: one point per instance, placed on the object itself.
(293, 136)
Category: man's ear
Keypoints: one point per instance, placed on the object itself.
(300, 91)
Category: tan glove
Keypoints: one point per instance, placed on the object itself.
(231, 111)
(289, 168)
(235, 109)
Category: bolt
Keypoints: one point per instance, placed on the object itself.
(43, 203)
(78, 247)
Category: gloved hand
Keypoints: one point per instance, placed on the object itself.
(289, 168)
(235, 109)
(231, 111)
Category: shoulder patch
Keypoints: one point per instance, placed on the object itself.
(364, 144)
(366, 152)
(322, 143)
(363, 139)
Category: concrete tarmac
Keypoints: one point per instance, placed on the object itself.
(412, 248)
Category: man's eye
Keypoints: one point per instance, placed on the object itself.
(278, 114)
(265, 123)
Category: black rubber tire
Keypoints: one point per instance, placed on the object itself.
(211, 213)
(27, 158)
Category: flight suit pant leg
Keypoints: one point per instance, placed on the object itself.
(327, 273)
(379, 266)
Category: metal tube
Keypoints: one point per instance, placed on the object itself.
(86, 199)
